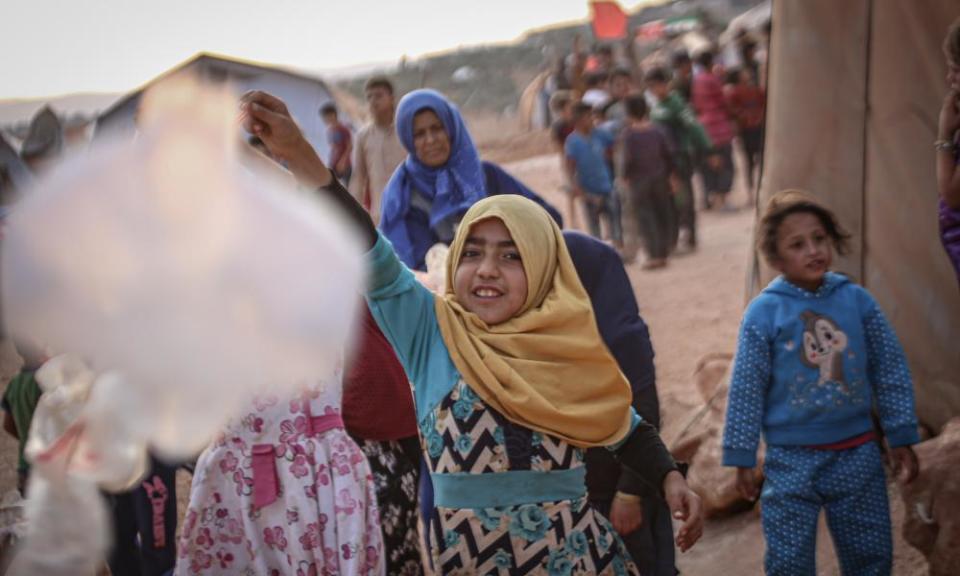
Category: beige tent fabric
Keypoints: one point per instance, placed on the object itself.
(854, 93)
(905, 265)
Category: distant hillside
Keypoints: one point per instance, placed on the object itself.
(492, 77)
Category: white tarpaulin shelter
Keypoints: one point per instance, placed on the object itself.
(855, 89)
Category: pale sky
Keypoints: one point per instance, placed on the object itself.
(52, 47)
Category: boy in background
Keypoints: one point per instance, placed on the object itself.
(561, 106)
(378, 151)
(691, 143)
(589, 151)
(341, 143)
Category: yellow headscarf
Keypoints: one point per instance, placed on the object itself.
(547, 367)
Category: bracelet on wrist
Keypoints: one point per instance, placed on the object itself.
(945, 146)
(624, 497)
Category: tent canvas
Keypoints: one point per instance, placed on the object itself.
(855, 89)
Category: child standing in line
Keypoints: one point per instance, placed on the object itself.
(747, 102)
(561, 105)
(691, 144)
(341, 143)
(711, 108)
(815, 355)
(645, 165)
(588, 150)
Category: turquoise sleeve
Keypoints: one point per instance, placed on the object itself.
(404, 310)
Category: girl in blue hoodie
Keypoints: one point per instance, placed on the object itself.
(815, 356)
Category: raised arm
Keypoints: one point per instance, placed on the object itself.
(402, 307)
(268, 118)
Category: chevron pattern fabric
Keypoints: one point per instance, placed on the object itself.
(564, 537)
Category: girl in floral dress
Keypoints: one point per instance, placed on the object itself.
(284, 490)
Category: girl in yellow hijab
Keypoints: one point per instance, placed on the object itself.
(511, 381)
(532, 362)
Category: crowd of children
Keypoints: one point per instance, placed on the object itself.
(641, 184)
(531, 370)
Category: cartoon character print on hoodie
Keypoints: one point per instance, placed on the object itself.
(824, 347)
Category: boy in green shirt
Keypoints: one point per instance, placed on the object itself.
(690, 139)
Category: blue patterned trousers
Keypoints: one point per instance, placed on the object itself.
(850, 486)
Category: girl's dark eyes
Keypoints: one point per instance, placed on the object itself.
(473, 253)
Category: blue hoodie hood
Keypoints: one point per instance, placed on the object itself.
(832, 281)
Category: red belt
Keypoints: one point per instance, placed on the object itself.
(848, 443)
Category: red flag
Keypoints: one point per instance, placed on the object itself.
(609, 20)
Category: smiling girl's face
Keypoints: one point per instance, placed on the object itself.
(490, 280)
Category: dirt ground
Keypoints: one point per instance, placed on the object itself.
(693, 308)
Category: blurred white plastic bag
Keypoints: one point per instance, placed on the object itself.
(164, 261)
(186, 283)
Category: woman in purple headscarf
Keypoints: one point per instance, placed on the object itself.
(948, 151)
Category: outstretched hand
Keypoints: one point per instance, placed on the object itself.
(684, 505)
(267, 117)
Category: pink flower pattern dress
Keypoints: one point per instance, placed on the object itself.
(284, 490)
